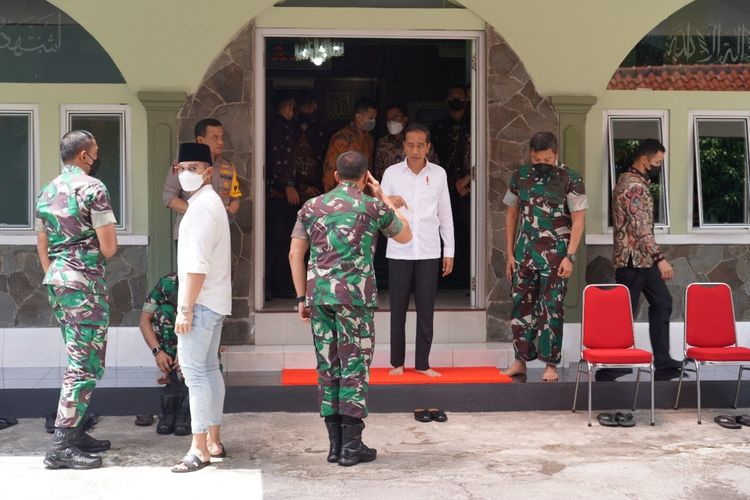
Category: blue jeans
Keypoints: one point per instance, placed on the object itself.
(198, 355)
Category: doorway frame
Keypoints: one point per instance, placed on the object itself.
(479, 129)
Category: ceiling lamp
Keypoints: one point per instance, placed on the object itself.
(318, 50)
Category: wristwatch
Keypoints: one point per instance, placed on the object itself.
(571, 257)
(185, 309)
(301, 299)
(156, 350)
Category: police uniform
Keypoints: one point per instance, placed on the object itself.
(545, 197)
(341, 292)
(69, 210)
(224, 182)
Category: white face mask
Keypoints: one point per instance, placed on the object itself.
(394, 127)
(190, 181)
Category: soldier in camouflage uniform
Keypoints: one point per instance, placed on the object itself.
(339, 295)
(546, 207)
(76, 234)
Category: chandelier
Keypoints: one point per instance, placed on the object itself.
(317, 50)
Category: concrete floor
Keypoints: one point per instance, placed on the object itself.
(512, 455)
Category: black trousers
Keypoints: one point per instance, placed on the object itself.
(422, 277)
(648, 280)
(280, 219)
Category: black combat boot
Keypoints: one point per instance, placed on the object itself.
(353, 450)
(167, 415)
(182, 422)
(334, 436)
(64, 455)
(87, 443)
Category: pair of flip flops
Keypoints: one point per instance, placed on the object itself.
(618, 419)
(192, 462)
(429, 415)
(6, 422)
(730, 422)
(144, 420)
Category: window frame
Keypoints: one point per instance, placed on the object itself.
(31, 110)
(67, 111)
(609, 179)
(718, 115)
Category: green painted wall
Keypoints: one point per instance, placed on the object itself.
(50, 97)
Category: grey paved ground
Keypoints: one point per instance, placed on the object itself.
(511, 455)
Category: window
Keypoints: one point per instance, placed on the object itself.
(109, 124)
(19, 158)
(384, 4)
(720, 155)
(625, 132)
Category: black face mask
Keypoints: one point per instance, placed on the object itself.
(94, 167)
(542, 169)
(456, 104)
(654, 173)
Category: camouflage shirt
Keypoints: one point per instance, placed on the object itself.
(162, 303)
(341, 226)
(546, 199)
(70, 209)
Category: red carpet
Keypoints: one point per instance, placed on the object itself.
(379, 376)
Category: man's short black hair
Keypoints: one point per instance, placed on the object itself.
(649, 147)
(398, 106)
(459, 86)
(417, 127)
(351, 166)
(305, 97)
(282, 99)
(73, 143)
(202, 126)
(363, 104)
(542, 141)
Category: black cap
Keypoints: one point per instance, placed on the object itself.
(192, 151)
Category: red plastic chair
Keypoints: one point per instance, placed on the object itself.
(607, 339)
(710, 334)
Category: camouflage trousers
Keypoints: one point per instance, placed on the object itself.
(83, 319)
(344, 338)
(537, 317)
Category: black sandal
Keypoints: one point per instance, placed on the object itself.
(144, 420)
(191, 462)
(607, 420)
(438, 415)
(727, 422)
(221, 454)
(6, 422)
(625, 419)
(743, 420)
(422, 415)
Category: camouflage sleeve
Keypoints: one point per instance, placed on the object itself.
(39, 226)
(388, 223)
(155, 297)
(97, 201)
(511, 195)
(576, 192)
(299, 230)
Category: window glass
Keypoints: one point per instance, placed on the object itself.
(17, 164)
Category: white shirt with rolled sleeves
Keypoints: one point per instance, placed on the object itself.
(428, 211)
(204, 248)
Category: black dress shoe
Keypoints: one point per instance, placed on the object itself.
(611, 374)
(671, 364)
(666, 374)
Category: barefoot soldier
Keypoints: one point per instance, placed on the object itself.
(75, 235)
(340, 295)
(546, 207)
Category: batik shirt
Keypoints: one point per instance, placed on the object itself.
(349, 138)
(308, 147)
(390, 150)
(70, 209)
(545, 198)
(452, 142)
(633, 221)
(341, 227)
(280, 159)
(162, 304)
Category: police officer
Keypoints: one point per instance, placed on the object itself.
(340, 295)
(544, 219)
(75, 235)
(208, 131)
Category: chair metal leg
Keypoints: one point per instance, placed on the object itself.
(651, 369)
(679, 385)
(737, 390)
(637, 383)
(578, 378)
(698, 387)
(590, 377)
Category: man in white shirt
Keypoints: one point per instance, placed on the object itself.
(420, 189)
(204, 299)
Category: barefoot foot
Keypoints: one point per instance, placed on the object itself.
(399, 370)
(550, 374)
(517, 368)
(429, 373)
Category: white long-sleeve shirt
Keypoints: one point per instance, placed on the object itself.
(428, 210)
(204, 248)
